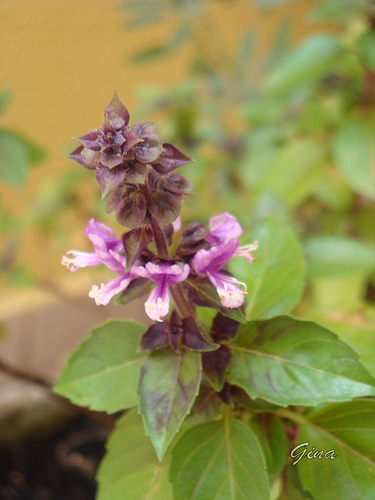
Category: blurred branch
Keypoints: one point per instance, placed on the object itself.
(101, 418)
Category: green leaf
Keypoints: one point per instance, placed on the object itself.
(130, 468)
(246, 49)
(103, 373)
(272, 437)
(305, 64)
(294, 172)
(271, 4)
(168, 387)
(281, 45)
(332, 256)
(5, 98)
(353, 150)
(291, 362)
(349, 430)
(367, 48)
(14, 160)
(16, 155)
(340, 10)
(275, 280)
(221, 460)
(295, 490)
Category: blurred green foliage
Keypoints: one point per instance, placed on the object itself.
(290, 136)
(52, 198)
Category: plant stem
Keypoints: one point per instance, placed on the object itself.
(291, 415)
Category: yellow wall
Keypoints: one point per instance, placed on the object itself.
(63, 59)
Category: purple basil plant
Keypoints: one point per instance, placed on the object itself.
(138, 169)
(225, 387)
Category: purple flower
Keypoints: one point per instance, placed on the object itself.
(107, 250)
(103, 239)
(164, 275)
(225, 227)
(209, 262)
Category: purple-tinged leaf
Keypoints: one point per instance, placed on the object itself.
(109, 178)
(168, 387)
(207, 406)
(170, 159)
(194, 337)
(223, 328)
(116, 113)
(158, 335)
(176, 333)
(215, 364)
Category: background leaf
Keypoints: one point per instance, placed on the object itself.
(275, 280)
(14, 159)
(271, 4)
(175, 41)
(331, 256)
(168, 387)
(17, 154)
(103, 373)
(294, 172)
(349, 429)
(221, 460)
(353, 150)
(305, 64)
(291, 362)
(367, 48)
(130, 468)
(334, 10)
(5, 98)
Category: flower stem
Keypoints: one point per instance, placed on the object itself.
(183, 306)
(159, 238)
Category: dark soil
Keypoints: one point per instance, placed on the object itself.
(60, 467)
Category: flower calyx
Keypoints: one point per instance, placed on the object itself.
(118, 152)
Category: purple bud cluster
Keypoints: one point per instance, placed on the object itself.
(133, 163)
